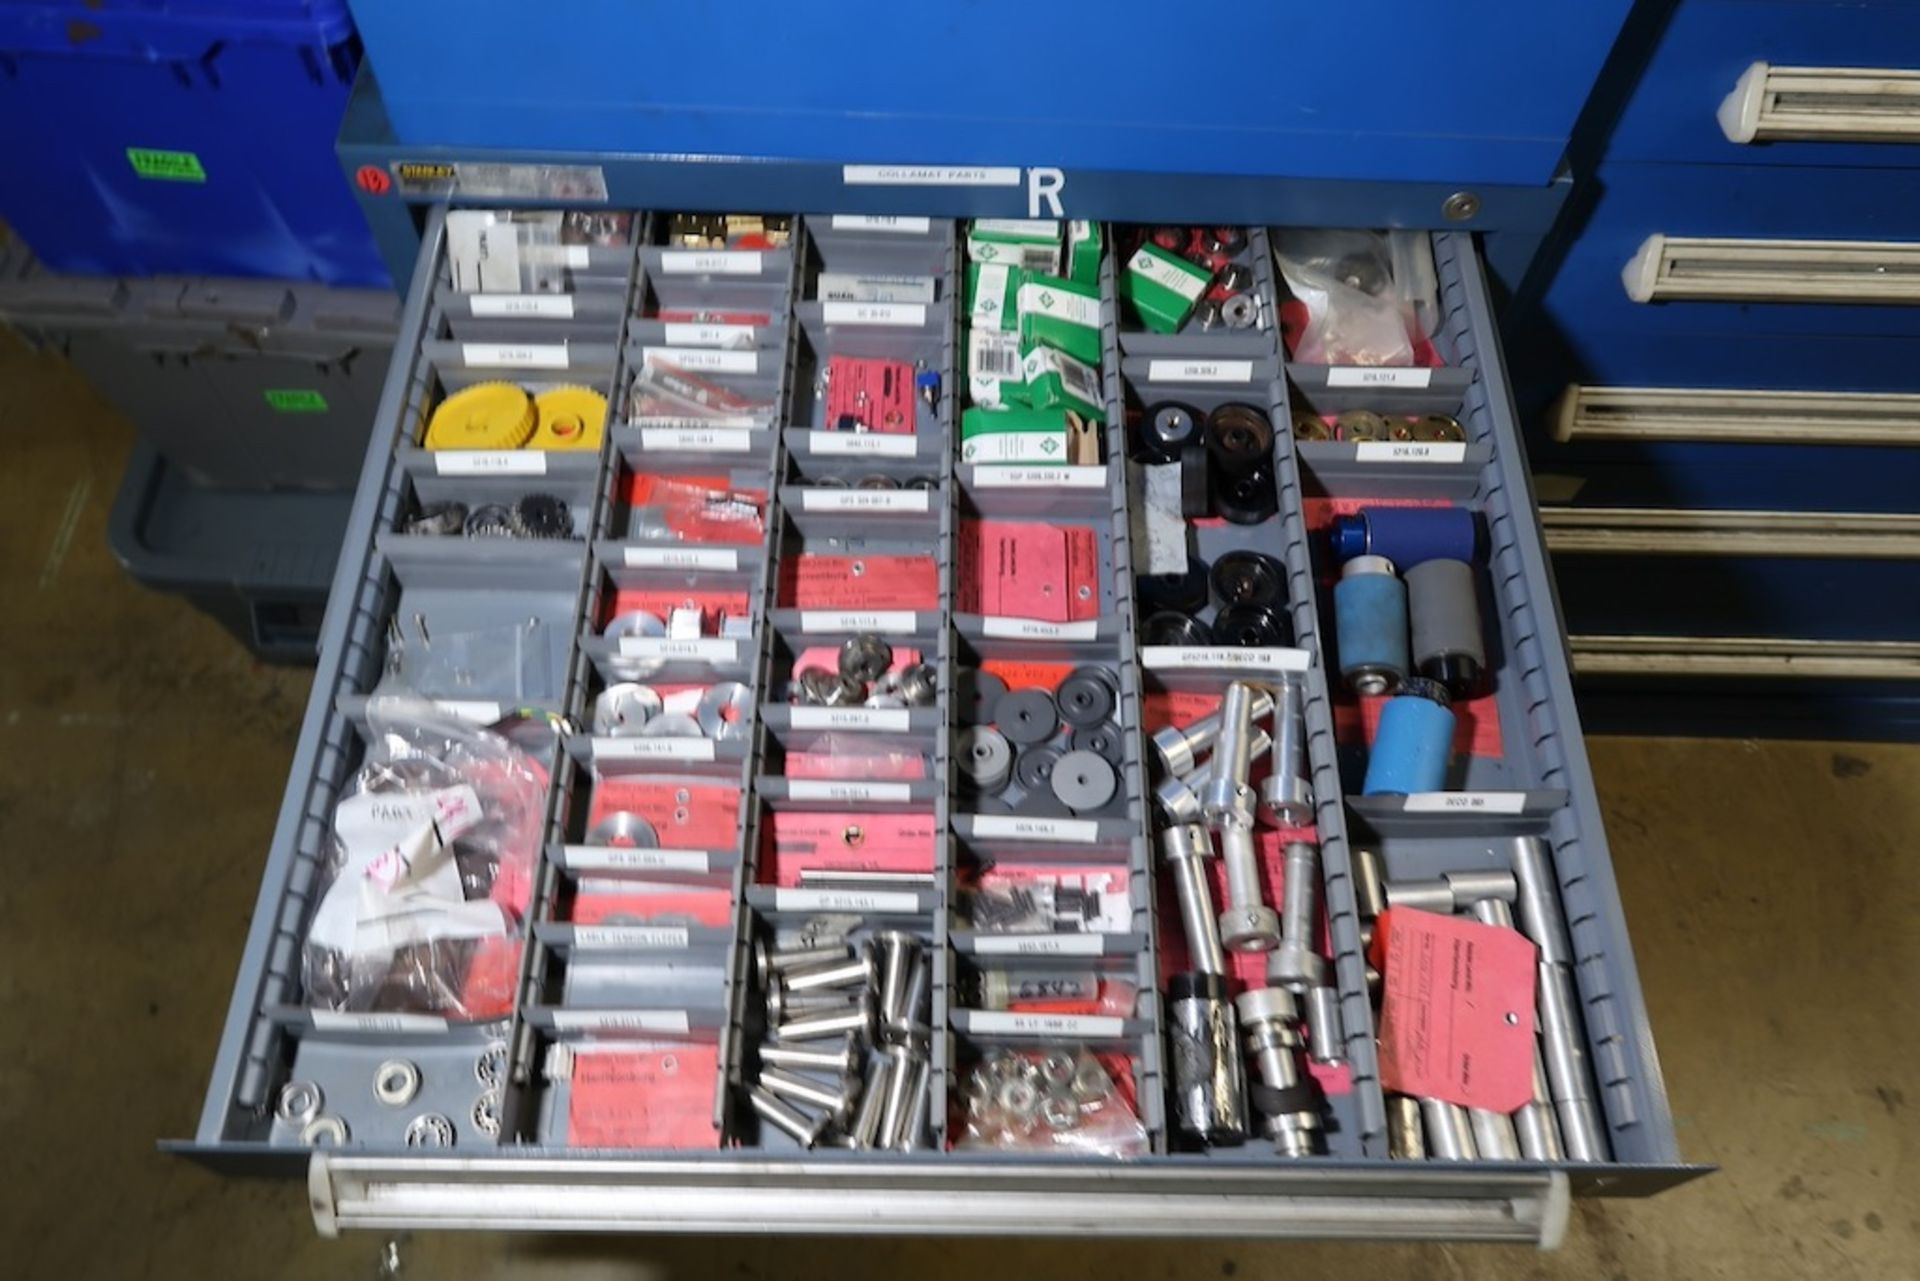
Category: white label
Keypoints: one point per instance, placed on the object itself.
(472, 713)
(630, 936)
(341, 1021)
(827, 789)
(1039, 944)
(1256, 658)
(874, 313)
(864, 500)
(1073, 831)
(1003, 477)
(873, 222)
(1001, 1022)
(1167, 273)
(1376, 376)
(930, 175)
(653, 749)
(722, 262)
(710, 359)
(842, 286)
(615, 858)
(1410, 451)
(723, 559)
(1466, 802)
(1027, 228)
(1051, 300)
(688, 335)
(500, 355)
(1034, 629)
(884, 719)
(1013, 447)
(1200, 371)
(807, 900)
(710, 649)
(990, 297)
(544, 306)
(1077, 378)
(860, 444)
(848, 620)
(490, 462)
(559, 255)
(628, 1020)
(715, 440)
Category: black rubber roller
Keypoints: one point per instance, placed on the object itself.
(1251, 626)
(1196, 491)
(1184, 593)
(1102, 740)
(1033, 768)
(1247, 498)
(1444, 609)
(1027, 716)
(1240, 439)
(1085, 698)
(1249, 578)
(1169, 628)
(975, 694)
(1165, 429)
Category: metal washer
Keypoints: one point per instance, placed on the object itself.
(1027, 716)
(1085, 698)
(976, 694)
(396, 1082)
(429, 1130)
(626, 830)
(985, 758)
(1084, 781)
(726, 711)
(621, 710)
(1102, 740)
(1034, 767)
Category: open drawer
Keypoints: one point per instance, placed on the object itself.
(673, 655)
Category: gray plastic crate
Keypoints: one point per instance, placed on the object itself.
(701, 989)
(242, 384)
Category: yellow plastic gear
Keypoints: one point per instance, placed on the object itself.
(570, 418)
(483, 416)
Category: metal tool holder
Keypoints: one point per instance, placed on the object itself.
(583, 984)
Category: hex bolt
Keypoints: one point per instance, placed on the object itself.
(1406, 1140)
(1186, 849)
(856, 1019)
(797, 1125)
(1449, 1131)
(1179, 750)
(858, 971)
(1246, 924)
(1226, 799)
(1295, 965)
(1286, 795)
(842, 1061)
(1568, 1074)
(1287, 1103)
(1534, 1126)
(1326, 1039)
(864, 1134)
(898, 952)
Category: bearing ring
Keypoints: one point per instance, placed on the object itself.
(1239, 438)
(486, 1114)
(623, 829)
(621, 711)
(491, 521)
(1362, 425)
(725, 711)
(299, 1102)
(1249, 578)
(865, 658)
(324, 1132)
(429, 1130)
(1240, 312)
(396, 1082)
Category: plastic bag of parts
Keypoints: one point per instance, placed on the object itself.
(1369, 298)
(665, 394)
(696, 510)
(1059, 1099)
(433, 847)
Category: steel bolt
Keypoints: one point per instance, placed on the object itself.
(1247, 924)
(1186, 849)
(1226, 799)
(1179, 749)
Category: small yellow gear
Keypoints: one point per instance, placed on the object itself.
(570, 418)
(483, 416)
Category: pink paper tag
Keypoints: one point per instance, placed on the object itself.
(1456, 1015)
(645, 1099)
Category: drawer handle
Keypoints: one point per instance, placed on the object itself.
(1701, 268)
(1678, 532)
(1822, 104)
(1715, 415)
(1767, 656)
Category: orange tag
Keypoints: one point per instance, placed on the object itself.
(660, 1098)
(1456, 1010)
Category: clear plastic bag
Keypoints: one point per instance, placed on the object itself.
(1058, 1099)
(433, 847)
(1344, 280)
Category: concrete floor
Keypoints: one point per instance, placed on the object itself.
(1772, 887)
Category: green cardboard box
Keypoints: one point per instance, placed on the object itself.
(1163, 288)
(994, 374)
(1083, 253)
(993, 290)
(1060, 314)
(1029, 243)
(1055, 379)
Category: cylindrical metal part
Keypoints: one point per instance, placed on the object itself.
(1204, 1044)
(1287, 1103)
(1538, 903)
(1226, 798)
(1326, 1036)
(893, 1117)
(1370, 625)
(1476, 884)
(1563, 1039)
(865, 1130)
(835, 1100)
(1369, 884)
(1000, 989)
(913, 1136)
(1493, 1135)
(1295, 965)
(855, 972)
(783, 1005)
(1430, 895)
(912, 1016)
(1443, 610)
(1286, 794)
(898, 950)
(1406, 1137)
(1412, 744)
(1533, 1123)
(797, 1125)
(1177, 802)
(1449, 1131)
(856, 1018)
(841, 1060)
(1179, 749)
(1407, 536)
(1246, 923)
(1186, 849)
(777, 961)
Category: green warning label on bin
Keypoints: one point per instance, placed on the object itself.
(169, 166)
(297, 400)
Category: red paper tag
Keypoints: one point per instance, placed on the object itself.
(877, 394)
(1456, 1010)
(710, 906)
(1476, 724)
(690, 316)
(661, 1098)
(686, 815)
(808, 581)
(799, 840)
(1161, 708)
(493, 972)
(1015, 674)
(1010, 569)
(868, 764)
